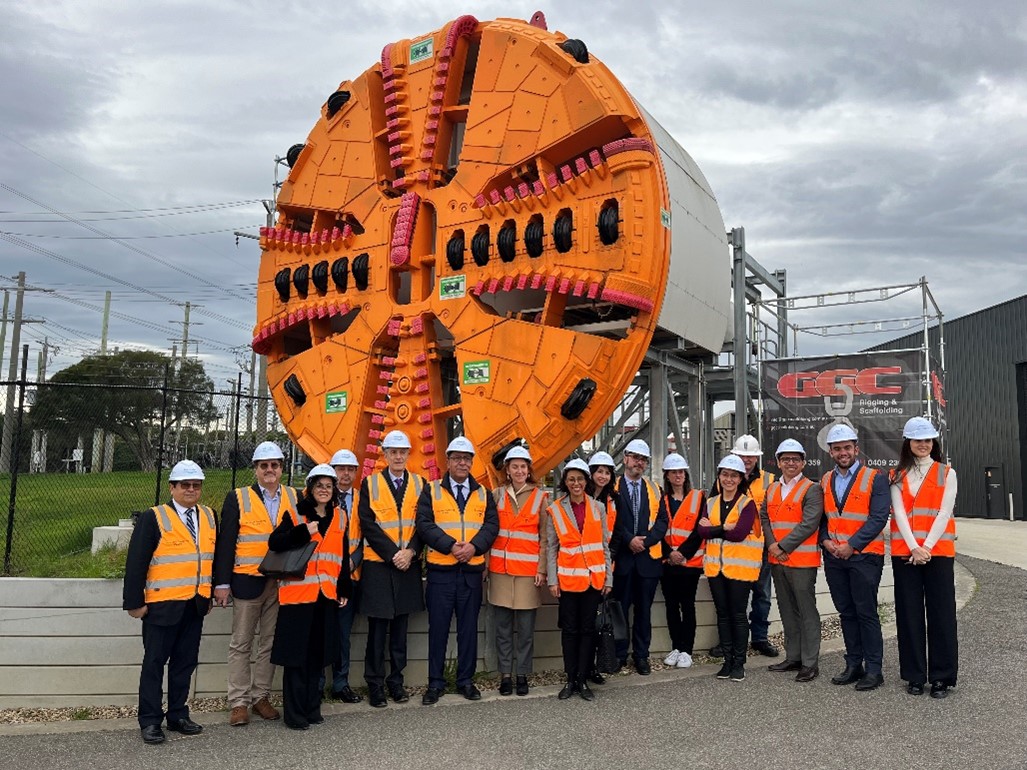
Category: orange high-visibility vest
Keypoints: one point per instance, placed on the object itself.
(655, 551)
(922, 511)
(785, 515)
(738, 561)
(181, 568)
(758, 487)
(356, 541)
(255, 527)
(516, 548)
(396, 522)
(581, 562)
(459, 526)
(841, 525)
(323, 569)
(682, 524)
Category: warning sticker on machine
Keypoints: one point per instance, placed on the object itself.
(336, 402)
(665, 218)
(477, 372)
(421, 50)
(453, 287)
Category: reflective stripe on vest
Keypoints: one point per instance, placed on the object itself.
(181, 568)
(323, 569)
(785, 515)
(459, 526)
(921, 511)
(581, 561)
(655, 551)
(738, 561)
(759, 486)
(682, 524)
(396, 522)
(516, 548)
(842, 525)
(356, 539)
(255, 526)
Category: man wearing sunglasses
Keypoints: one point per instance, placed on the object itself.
(248, 517)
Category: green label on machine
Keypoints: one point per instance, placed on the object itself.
(336, 402)
(477, 372)
(665, 218)
(453, 287)
(421, 50)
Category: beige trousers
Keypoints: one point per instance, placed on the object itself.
(249, 617)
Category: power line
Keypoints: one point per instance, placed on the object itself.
(118, 238)
(196, 208)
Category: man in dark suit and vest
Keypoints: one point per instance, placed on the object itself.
(458, 522)
(168, 575)
(346, 467)
(857, 503)
(248, 517)
(635, 547)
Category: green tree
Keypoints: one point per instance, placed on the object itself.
(122, 394)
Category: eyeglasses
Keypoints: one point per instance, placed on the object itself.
(639, 458)
(455, 458)
(273, 465)
(190, 484)
(790, 460)
(324, 486)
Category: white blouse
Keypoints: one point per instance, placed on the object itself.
(915, 478)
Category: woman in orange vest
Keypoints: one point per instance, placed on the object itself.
(579, 572)
(307, 634)
(683, 557)
(923, 547)
(517, 567)
(732, 562)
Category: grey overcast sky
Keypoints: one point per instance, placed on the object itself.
(859, 144)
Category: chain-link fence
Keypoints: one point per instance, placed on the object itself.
(77, 456)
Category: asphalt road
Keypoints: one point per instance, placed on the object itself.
(686, 720)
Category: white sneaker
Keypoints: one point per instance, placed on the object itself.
(672, 658)
(684, 660)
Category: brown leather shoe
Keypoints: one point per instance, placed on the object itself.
(239, 716)
(265, 710)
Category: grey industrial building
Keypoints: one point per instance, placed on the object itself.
(985, 389)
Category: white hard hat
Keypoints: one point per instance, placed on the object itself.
(732, 463)
(789, 445)
(517, 453)
(267, 450)
(186, 470)
(841, 432)
(919, 428)
(460, 444)
(601, 458)
(396, 439)
(321, 470)
(576, 465)
(747, 446)
(343, 457)
(638, 447)
(675, 462)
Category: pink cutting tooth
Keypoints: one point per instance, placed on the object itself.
(380, 404)
(522, 190)
(479, 201)
(492, 286)
(580, 166)
(424, 403)
(478, 288)
(420, 358)
(565, 285)
(579, 288)
(508, 283)
(536, 280)
(522, 281)
(377, 419)
(394, 328)
(417, 326)
(429, 448)
(550, 282)
(388, 361)
(424, 418)
(374, 434)
(595, 159)
(383, 390)
(427, 433)
(494, 197)
(420, 374)
(593, 291)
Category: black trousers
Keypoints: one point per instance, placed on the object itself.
(374, 656)
(854, 583)
(731, 598)
(679, 586)
(925, 613)
(448, 592)
(577, 620)
(635, 591)
(301, 685)
(177, 647)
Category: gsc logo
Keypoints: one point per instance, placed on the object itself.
(839, 382)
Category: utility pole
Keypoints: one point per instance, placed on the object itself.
(8, 434)
(106, 321)
(3, 328)
(99, 437)
(37, 461)
(185, 332)
(249, 400)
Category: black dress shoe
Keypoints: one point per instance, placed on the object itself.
(431, 696)
(585, 692)
(870, 682)
(294, 726)
(807, 674)
(346, 695)
(717, 652)
(785, 665)
(849, 675)
(642, 666)
(596, 678)
(376, 697)
(152, 734)
(938, 690)
(568, 690)
(316, 720)
(763, 647)
(398, 694)
(470, 692)
(522, 685)
(915, 688)
(506, 686)
(186, 726)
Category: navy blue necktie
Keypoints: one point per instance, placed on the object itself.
(461, 499)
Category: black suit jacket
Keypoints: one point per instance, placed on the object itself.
(624, 560)
(145, 538)
(433, 536)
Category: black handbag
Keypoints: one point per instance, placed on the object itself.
(606, 642)
(286, 565)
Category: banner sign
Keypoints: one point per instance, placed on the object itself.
(874, 393)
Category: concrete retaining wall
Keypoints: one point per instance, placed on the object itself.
(69, 643)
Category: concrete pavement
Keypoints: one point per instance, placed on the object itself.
(994, 540)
